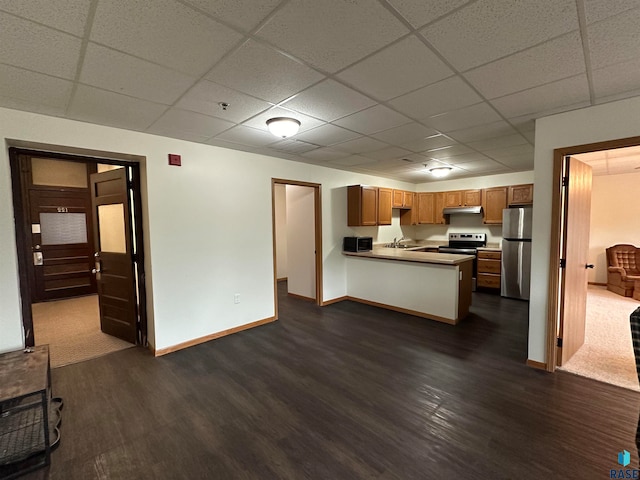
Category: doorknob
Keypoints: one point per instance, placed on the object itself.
(589, 265)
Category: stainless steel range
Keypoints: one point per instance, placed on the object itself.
(466, 244)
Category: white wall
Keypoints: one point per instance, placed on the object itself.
(615, 218)
(610, 121)
(301, 241)
(207, 225)
(280, 201)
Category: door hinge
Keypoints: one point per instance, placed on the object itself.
(130, 184)
(559, 342)
(563, 263)
(565, 181)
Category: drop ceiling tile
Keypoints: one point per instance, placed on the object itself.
(487, 30)
(245, 14)
(448, 151)
(28, 45)
(391, 165)
(31, 106)
(351, 161)
(614, 40)
(372, 120)
(107, 108)
(627, 152)
(67, 15)
(480, 132)
(293, 146)
(388, 153)
(263, 72)
(498, 142)
(518, 162)
(326, 135)
(548, 97)
(360, 145)
(410, 132)
(163, 31)
(429, 143)
(449, 94)
(396, 70)
(122, 73)
(346, 31)
(459, 159)
(616, 79)
(419, 12)
(485, 166)
(506, 153)
(325, 154)
(260, 120)
(31, 88)
(247, 136)
(205, 97)
(329, 100)
(184, 124)
(551, 61)
(472, 116)
(596, 10)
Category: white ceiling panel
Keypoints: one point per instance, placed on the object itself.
(205, 97)
(245, 14)
(506, 153)
(551, 61)
(263, 72)
(489, 130)
(487, 30)
(329, 100)
(372, 120)
(449, 94)
(360, 145)
(596, 10)
(28, 45)
(458, 159)
(294, 146)
(247, 136)
(352, 161)
(419, 12)
(35, 88)
(67, 15)
(616, 79)
(326, 135)
(498, 142)
(411, 132)
(122, 73)
(396, 70)
(448, 151)
(484, 166)
(347, 31)
(428, 143)
(478, 114)
(388, 153)
(107, 108)
(165, 32)
(615, 40)
(183, 124)
(260, 121)
(324, 154)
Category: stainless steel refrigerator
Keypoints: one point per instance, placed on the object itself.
(516, 252)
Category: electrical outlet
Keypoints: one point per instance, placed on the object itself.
(236, 298)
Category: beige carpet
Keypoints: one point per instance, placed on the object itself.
(71, 327)
(607, 354)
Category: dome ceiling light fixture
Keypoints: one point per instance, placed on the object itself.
(439, 172)
(283, 127)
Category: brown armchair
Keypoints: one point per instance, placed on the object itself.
(623, 268)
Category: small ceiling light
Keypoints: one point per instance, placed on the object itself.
(283, 127)
(440, 172)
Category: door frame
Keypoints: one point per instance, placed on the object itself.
(22, 230)
(553, 307)
(317, 207)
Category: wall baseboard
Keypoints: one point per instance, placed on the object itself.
(598, 283)
(334, 300)
(213, 336)
(281, 279)
(537, 365)
(405, 310)
(302, 297)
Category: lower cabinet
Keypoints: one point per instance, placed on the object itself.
(489, 269)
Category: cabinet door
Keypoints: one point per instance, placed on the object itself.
(384, 206)
(398, 198)
(472, 198)
(407, 199)
(409, 216)
(362, 205)
(453, 199)
(521, 194)
(495, 200)
(426, 207)
(438, 207)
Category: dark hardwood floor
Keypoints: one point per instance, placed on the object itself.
(345, 391)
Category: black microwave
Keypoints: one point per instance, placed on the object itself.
(357, 244)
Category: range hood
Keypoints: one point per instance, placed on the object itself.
(461, 210)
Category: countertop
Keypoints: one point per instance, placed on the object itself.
(407, 255)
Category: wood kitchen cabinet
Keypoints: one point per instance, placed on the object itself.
(426, 207)
(362, 206)
(494, 201)
(385, 202)
(438, 217)
(520, 195)
(402, 199)
(489, 269)
(463, 198)
(410, 216)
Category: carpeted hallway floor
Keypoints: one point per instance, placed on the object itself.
(71, 327)
(607, 354)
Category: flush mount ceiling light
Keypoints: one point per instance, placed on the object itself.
(439, 172)
(283, 127)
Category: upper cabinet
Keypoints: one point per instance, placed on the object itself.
(438, 216)
(521, 195)
(402, 199)
(494, 201)
(362, 206)
(409, 216)
(463, 198)
(426, 207)
(385, 201)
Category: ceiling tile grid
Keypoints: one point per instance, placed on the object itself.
(373, 82)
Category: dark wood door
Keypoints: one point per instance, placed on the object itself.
(61, 243)
(114, 263)
(575, 251)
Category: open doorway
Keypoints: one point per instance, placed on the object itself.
(574, 326)
(297, 239)
(63, 227)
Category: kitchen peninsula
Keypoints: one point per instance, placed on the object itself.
(426, 284)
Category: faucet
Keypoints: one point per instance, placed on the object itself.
(396, 243)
